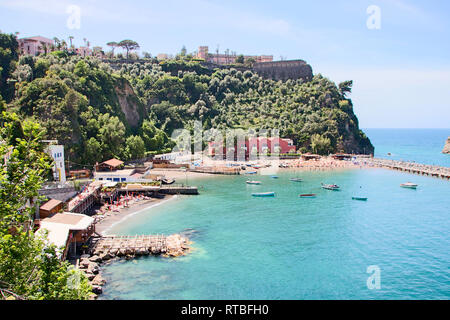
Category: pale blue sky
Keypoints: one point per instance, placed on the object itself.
(401, 72)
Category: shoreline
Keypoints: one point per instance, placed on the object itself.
(325, 164)
(104, 226)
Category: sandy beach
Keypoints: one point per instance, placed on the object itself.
(103, 226)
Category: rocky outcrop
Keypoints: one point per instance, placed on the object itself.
(447, 147)
(129, 103)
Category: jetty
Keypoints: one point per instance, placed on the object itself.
(411, 167)
(109, 247)
(218, 170)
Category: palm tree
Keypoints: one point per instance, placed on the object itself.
(57, 43)
(70, 39)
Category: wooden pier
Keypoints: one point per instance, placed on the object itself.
(411, 167)
(122, 246)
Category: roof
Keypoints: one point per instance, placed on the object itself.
(73, 221)
(121, 173)
(50, 205)
(59, 226)
(38, 38)
(113, 163)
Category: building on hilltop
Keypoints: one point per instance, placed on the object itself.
(227, 58)
(284, 70)
(35, 45)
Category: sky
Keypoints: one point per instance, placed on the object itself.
(397, 52)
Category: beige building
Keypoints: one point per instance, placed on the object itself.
(224, 59)
(35, 45)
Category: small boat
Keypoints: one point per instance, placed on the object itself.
(409, 185)
(296, 179)
(274, 177)
(251, 172)
(168, 181)
(264, 194)
(308, 195)
(359, 198)
(333, 187)
(253, 182)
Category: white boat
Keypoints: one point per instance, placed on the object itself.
(409, 185)
(253, 182)
(333, 187)
(296, 179)
(251, 172)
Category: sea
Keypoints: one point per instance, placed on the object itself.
(393, 246)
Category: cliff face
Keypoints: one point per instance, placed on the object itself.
(129, 103)
(447, 147)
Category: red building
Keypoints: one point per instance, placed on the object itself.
(254, 145)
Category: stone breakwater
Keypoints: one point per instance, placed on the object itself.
(410, 167)
(108, 249)
(447, 147)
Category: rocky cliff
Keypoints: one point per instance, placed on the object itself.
(447, 147)
(129, 103)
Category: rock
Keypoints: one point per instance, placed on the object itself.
(90, 276)
(447, 147)
(93, 296)
(98, 281)
(105, 257)
(97, 289)
(95, 259)
(93, 268)
(84, 263)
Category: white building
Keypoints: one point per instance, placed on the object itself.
(59, 168)
(124, 175)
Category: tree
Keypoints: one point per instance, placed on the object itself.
(9, 54)
(71, 45)
(320, 144)
(135, 148)
(30, 267)
(240, 59)
(345, 87)
(128, 45)
(183, 51)
(113, 46)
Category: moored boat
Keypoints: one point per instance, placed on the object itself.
(409, 185)
(168, 181)
(296, 179)
(359, 198)
(274, 177)
(251, 172)
(253, 182)
(308, 195)
(264, 194)
(333, 187)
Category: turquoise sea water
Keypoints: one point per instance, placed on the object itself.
(292, 248)
(420, 145)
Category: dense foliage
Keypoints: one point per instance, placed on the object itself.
(127, 110)
(30, 268)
